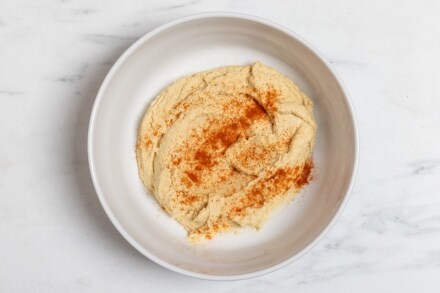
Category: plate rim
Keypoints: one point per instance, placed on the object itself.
(121, 60)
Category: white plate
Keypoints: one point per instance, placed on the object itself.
(199, 43)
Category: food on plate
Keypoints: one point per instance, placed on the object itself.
(222, 149)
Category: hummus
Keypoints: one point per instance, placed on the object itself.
(221, 149)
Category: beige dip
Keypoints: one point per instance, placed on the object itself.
(223, 148)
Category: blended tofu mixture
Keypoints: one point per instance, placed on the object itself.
(222, 149)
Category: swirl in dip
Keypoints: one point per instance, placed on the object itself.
(221, 149)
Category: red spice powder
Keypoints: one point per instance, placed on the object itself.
(218, 137)
(277, 185)
(270, 99)
(194, 177)
(203, 158)
(189, 199)
(305, 176)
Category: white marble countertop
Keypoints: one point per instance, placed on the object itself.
(54, 235)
